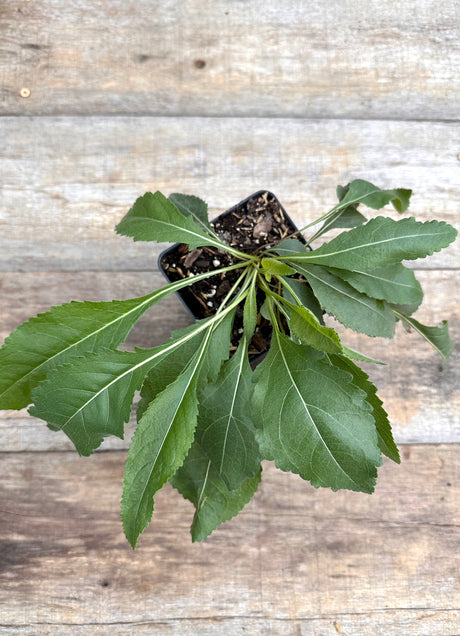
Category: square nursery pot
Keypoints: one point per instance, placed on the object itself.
(258, 220)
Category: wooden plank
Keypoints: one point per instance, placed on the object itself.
(66, 182)
(389, 622)
(313, 59)
(296, 560)
(422, 402)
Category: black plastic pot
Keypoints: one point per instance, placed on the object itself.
(174, 248)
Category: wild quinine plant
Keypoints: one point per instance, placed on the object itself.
(205, 418)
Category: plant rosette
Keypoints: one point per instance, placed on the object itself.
(257, 223)
(206, 418)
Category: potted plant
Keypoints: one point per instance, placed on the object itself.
(211, 408)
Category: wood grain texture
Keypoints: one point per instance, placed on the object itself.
(343, 58)
(388, 622)
(296, 561)
(221, 99)
(423, 403)
(67, 181)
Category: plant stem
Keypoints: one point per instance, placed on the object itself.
(242, 291)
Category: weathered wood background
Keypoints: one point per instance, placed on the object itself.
(102, 101)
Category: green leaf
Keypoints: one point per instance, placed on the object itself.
(313, 420)
(56, 336)
(225, 430)
(393, 283)
(360, 191)
(264, 311)
(309, 330)
(91, 397)
(437, 337)
(154, 218)
(352, 308)
(288, 246)
(170, 365)
(64, 332)
(159, 446)
(200, 483)
(380, 242)
(193, 207)
(361, 379)
(218, 347)
(408, 310)
(272, 267)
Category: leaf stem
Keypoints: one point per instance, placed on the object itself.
(183, 282)
(340, 207)
(241, 255)
(325, 227)
(278, 301)
(291, 291)
(275, 323)
(242, 291)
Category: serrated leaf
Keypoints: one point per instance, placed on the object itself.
(360, 191)
(305, 326)
(91, 397)
(169, 367)
(194, 207)
(437, 337)
(153, 217)
(63, 332)
(393, 283)
(361, 379)
(313, 420)
(352, 308)
(159, 446)
(173, 363)
(218, 348)
(380, 242)
(200, 483)
(225, 430)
